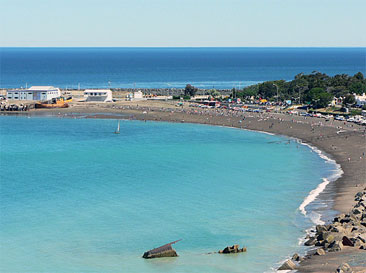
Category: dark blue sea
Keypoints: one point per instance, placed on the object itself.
(169, 67)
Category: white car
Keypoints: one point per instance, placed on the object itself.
(341, 118)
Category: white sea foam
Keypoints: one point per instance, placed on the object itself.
(320, 188)
(314, 216)
(313, 195)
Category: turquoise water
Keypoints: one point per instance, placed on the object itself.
(77, 198)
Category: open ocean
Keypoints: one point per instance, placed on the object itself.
(222, 68)
(75, 197)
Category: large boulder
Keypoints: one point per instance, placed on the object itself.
(320, 229)
(296, 257)
(335, 246)
(322, 235)
(344, 268)
(319, 252)
(232, 249)
(339, 218)
(337, 228)
(346, 241)
(359, 196)
(362, 237)
(310, 242)
(288, 265)
(168, 253)
(329, 238)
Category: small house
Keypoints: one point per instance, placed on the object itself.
(98, 95)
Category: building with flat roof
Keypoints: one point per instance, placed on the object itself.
(38, 93)
(360, 99)
(98, 95)
(136, 95)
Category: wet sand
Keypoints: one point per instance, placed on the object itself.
(343, 142)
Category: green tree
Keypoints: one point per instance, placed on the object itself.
(190, 90)
(357, 87)
(358, 76)
(247, 92)
(318, 98)
(338, 91)
(349, 99)
(214, 93)
(267, 90)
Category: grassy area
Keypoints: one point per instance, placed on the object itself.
(336, 111)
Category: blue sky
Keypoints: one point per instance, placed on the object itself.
(183, 23)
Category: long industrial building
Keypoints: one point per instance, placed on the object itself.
(38, 93)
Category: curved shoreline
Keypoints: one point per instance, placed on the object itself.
(313, 194)
(346, 149)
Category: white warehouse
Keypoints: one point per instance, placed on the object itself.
(39, 93)
(101, 95)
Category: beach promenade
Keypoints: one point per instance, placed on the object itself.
(344, 142)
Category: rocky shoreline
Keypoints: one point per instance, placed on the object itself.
(346, 230)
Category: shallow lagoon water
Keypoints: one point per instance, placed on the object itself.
(77, 198)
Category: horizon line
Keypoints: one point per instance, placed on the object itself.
(183, 47)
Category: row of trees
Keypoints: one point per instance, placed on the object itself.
(190, 91)
(316, 88)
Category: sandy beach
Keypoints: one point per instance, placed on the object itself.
(344, 142)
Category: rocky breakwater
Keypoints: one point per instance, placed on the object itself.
(4, 106)
(345, 230)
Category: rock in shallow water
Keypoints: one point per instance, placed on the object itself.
(288, 265)
(168, 253)
(310, 242)
(232, 249)
(162, 251)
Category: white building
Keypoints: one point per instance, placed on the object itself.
(137, 95)
(360, 100)
(39, 93)
(101, 95)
